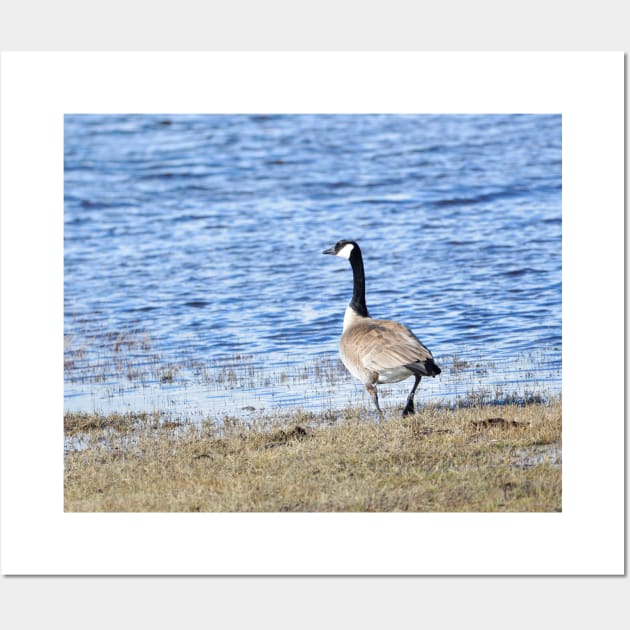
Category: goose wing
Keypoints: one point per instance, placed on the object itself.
(384, 345)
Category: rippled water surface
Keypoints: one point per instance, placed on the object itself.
(194, 279)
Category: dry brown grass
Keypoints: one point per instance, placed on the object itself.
(478, 459)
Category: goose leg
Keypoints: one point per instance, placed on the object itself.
(372, 391)
(409, 408)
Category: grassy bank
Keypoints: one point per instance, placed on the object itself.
(476, 459)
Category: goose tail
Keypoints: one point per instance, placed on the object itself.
(428, 367)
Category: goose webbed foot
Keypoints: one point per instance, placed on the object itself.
(409, 407)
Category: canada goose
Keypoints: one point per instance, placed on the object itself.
(378, 350)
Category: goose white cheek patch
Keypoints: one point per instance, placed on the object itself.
(345, 251)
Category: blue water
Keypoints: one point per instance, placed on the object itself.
(193, 243)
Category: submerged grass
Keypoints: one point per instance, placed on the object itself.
(130, 359)
(478, 459)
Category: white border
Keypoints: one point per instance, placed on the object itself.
(38, 538)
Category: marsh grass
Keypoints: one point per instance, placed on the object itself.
(477, 458)
(110, 371)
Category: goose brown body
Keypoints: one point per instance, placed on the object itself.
(383, 351)
(378, 350)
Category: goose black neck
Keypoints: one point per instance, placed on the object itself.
(358, 294)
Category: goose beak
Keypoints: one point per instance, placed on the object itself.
(330, 250)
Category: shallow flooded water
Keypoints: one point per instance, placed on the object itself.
(194, 279)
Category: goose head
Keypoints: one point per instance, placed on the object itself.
(343, 249)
